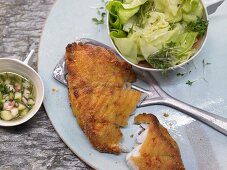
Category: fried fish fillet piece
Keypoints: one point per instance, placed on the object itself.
(158, 150)
(101, 104)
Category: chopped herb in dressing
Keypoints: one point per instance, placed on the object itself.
(16, 96)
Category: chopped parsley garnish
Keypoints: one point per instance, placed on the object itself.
(159, 62)
(162, 59)
(190, 82)
(199, 26)
(172, 26)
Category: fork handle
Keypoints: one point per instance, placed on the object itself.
(217, 122)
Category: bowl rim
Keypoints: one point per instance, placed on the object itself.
(170, 68)
(39, 101)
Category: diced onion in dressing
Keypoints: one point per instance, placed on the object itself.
(16, 96)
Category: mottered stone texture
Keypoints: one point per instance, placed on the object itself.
(35, 144)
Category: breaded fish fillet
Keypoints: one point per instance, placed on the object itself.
(96, 79)
(158, 150)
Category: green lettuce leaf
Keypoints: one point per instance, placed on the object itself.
(185, 42)
(120, 12)
(154, 32)
(171, 9)
(117, 33)
(114, 19)
(160, 35)
(129, 4)
(191, 10)
(147, 49)
(129, 25)
(128, 48)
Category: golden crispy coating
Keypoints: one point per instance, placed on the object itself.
(95, 80)
(159, 151)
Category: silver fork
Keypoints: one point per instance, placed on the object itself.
(217, 122)
(155, 95)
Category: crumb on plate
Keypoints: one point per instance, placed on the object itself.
(165, 114)
(55, 90)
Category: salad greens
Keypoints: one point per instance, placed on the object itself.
(161, 32)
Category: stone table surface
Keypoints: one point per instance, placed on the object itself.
(35, 144)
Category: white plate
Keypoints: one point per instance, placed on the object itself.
(201, 147)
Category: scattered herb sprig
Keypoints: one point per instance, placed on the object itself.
(101, 12)
(180, 74)
(204, 65)
(99, 21)
(190, 82)
(199, 26)
(163, 58)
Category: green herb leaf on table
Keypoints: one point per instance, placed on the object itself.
(205, 63)
(180, 74)
(190, 82)
(99, 21)
(101, 13)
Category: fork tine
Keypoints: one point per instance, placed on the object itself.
(135, 87)
(153, 83)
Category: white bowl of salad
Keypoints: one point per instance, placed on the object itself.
(157, 35)
(21, 92)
